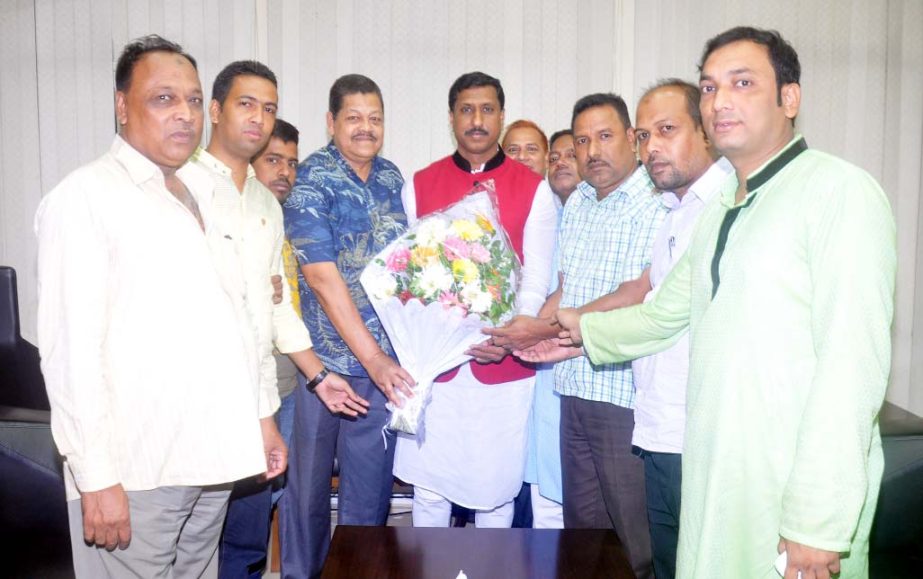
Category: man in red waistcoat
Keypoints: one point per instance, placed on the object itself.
(473, 450)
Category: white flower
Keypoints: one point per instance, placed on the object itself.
(435, 279)
(478, 301)
(431, 232)
(383, 286)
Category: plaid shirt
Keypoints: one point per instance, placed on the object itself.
(602, 244)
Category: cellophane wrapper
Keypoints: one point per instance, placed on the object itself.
(437, 286)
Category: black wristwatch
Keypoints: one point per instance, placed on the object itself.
(317, 380)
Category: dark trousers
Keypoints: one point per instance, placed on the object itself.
(603, 480)
(522, 508)
(365, 476)
(242, 550)
(662, 479)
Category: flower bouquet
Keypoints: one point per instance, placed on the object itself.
(434, 288)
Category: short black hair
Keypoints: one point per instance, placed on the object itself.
(225, 78)
(690, 91)
(351, 84)
(557, 135)
(284, 131)
(475, 80)
(137, 48)
(782, 55)
(602, 99)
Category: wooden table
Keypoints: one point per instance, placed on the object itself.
(408, 553)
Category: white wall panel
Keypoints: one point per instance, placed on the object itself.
(415, 50)
(862, 78)
(902, 148)
(20, 151)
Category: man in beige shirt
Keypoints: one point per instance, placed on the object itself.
(152, 386)
(243, 112)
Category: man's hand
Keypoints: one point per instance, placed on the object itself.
(486, 352)
(569, 320)
(548, 351)
(389, 377)
(337, 396)
(807, 562)
(106, 520)
(274, 447)
(276, 289)
(522, 332)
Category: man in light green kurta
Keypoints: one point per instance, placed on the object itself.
(787, 291)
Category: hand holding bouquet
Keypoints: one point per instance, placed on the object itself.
(435, 287)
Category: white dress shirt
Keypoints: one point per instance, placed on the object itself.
(660, 380)
(151, 378)
(252, 218)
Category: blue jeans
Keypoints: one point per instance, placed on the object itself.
(243, 547)
(242, 550)
(662, 481)
(365, 475)
(285, 420)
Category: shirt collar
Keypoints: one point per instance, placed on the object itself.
(344, 164)
(627, 187)
(139, 167)
(216, 165)
(463, 164)
(766, 172)
(708, 184)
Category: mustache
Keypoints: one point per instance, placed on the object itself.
(283, 182)
(476, 131)
(365, 135)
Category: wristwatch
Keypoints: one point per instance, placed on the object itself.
(317, 380)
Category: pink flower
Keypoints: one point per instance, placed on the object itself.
(479, 253)
(455, 248)
(398, 259)
(449, 299)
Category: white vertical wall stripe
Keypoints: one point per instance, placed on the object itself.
(20, 150)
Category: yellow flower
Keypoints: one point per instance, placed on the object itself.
(485, 224)
(422, 256)
(464, 270)
(467, 229)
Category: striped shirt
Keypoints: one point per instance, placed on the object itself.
(604, 243)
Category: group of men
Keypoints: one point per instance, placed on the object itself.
(203, 329)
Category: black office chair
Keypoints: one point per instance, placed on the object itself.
(896, 549)
(33, 514)
(21, 383)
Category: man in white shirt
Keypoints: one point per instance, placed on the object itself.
(680, 161)
(563, 177)
(150, 374)
(474, 451)
(243, 112)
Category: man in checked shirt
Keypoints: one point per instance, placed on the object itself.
(605, 239)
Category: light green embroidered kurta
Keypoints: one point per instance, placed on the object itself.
(789, 365)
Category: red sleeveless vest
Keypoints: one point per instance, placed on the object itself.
(443, 183)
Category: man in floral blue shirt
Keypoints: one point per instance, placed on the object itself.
(345, 208)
